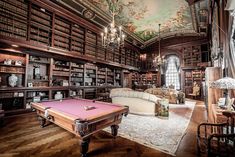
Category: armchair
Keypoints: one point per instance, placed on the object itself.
(217, 140)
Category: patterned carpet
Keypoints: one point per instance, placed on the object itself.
(161, 134)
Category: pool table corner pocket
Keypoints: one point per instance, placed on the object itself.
(81, 127)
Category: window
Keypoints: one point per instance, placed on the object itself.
(172, 72)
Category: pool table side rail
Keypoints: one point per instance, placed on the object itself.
(43, 111)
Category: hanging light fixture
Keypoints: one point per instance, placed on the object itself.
(113, 36)
(159, 60)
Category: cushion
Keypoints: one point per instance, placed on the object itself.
(163, 107)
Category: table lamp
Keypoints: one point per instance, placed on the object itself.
(225, 83)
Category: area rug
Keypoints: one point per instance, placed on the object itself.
(160, 134)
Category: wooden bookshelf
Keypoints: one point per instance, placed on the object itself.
(90, 74)
(117, 77)
(195, 55)
(91, 41)
(62, 34)
(12, 64)
(78, 39)
(38, 72)
(110, 77)
(123, 56)
(60, 73)
(40, 26)
(101, 76)
(101, 52)
(77, 74)
(13, 21)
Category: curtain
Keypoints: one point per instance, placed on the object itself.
(165, 66)
(177, 64)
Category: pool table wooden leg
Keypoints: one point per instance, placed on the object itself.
(42, 121)
(114, 130)
(84, 147)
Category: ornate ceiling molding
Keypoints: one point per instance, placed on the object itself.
(102, 19)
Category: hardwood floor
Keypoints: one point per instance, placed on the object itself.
(22, 136)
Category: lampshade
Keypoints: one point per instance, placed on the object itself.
(224, 83)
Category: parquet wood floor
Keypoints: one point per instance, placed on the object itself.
(23, 137)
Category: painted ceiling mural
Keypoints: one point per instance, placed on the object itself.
(143, 16)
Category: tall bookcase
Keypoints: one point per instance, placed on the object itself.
(34, 25)
(195, 55)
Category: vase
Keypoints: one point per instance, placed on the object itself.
(12, 80)
(58, 96)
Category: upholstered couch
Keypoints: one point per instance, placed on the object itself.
(138, 102)
(174, 96)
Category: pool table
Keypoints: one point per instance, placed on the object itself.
(81, 117)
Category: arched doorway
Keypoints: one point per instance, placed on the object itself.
(172, 76)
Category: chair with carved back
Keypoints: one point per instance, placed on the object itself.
(196, 90)
(217, 139)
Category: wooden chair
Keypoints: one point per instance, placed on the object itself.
(217, 140)
(196, 91)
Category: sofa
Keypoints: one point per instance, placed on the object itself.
(174, 96)
(140, 103)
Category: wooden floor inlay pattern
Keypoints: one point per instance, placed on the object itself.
(22, 137)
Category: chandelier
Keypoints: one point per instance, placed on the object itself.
(159, 60)
(113, 36)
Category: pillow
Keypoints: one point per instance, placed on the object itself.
(162, 108)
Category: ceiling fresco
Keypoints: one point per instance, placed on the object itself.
(143, 16)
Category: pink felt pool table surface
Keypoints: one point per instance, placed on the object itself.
(76, 108)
